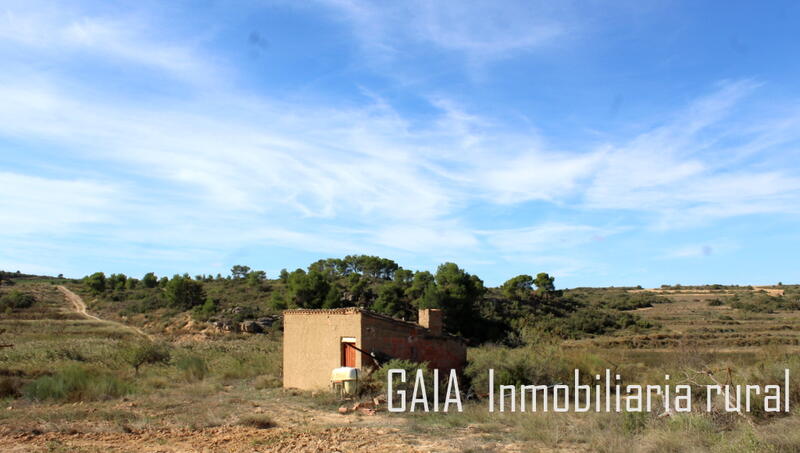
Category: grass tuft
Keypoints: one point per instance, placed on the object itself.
(258, 421)
(78, 383)
(194, 368)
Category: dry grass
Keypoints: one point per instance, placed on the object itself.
(231, 382)
(259, 421)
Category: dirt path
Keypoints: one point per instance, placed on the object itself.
(211, 416)
(690, 291)
(771, 291)
(243, 439)
(80, 307)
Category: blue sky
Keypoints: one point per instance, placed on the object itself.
(607, 143)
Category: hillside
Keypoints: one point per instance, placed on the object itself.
(480, 314)
(72, 382)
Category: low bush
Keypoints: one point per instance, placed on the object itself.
(543, 363)
(763, 303)
(267, 382)
(616, 299)
(378, 379)
(241, 364)
(10, 387)
(146, 304)
(203, 312)
(16, 300)
(634, 422)
(259, 421)
(78, 383)
(194, 368)
(146, 352)
(592, 321)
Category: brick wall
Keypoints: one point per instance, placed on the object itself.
(412, 342)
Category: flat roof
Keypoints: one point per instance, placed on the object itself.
(361, 311)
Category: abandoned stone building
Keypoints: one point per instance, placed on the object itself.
(317, 341)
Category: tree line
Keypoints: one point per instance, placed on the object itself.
(381, 285)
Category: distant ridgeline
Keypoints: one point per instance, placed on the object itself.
(6, 276)
(524, 305)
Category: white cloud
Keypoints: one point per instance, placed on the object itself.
(268, 162)
(478, 29)
(682, 172)
(350, 161)
(545, 237)
(437, 238)
(335, 243)
(537, 175)
(61, 33)
(35, 205)
(483, 28)
(214, 170)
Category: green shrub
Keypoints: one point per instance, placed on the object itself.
(634, 422)
(150, 280)
(184, 293)
(592, 321)
(617, 299)
(277, 301)
(378, 380)
(95, 282)
(146, 352)
(194, 368)
(243, 365)
(147, 304)
(67, 352)
(16, 300)
(763, 303)
(205, 311)
(77, 383)
(544, 363)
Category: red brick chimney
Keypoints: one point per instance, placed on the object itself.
(431, 318)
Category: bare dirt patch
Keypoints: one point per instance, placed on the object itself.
(80, 307)
(224, 439)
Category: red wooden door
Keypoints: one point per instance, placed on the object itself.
(348, 355)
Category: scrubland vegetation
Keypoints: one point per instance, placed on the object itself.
(697, 431)
(65, 374)
(58, 356)
(478, 313)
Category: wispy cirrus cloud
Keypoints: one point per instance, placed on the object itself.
(685, 170)
(251, 162)
(37, 205)
(478, 30)
(65, 34)
(547, 237)
(210, 168)
(396, 197)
